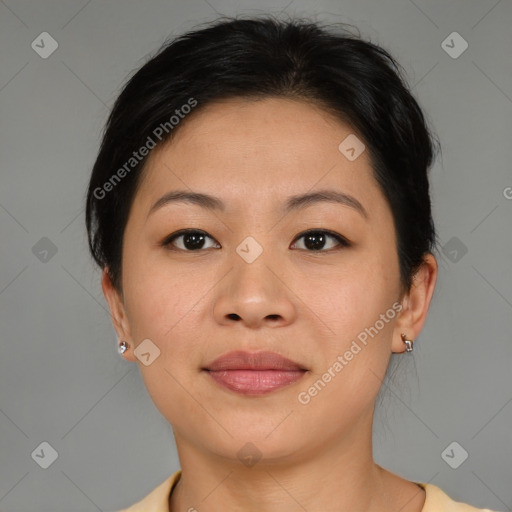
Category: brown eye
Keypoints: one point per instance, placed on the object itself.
(317, 240)
(188, 240)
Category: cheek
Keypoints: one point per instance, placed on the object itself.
(160, 308)
(349, 299)
(358, 307)
(163, 301)
(159, 295)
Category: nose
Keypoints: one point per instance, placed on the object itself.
(254, 294)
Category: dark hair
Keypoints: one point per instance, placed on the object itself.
(357, 81)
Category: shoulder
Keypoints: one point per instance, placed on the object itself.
(158, 499)
(437, 501)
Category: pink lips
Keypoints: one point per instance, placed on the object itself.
(254, 373)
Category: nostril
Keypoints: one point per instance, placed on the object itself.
(233, 316)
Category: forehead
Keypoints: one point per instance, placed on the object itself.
(252, 151)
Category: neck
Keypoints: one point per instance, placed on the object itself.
(335, 471)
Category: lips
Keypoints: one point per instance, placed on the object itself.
(254, 373)
(241, 360)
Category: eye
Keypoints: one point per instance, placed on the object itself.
(191, 240)
(315, 240)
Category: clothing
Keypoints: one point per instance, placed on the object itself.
(436, 500)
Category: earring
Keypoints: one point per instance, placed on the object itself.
(123, 347)
(407, 342)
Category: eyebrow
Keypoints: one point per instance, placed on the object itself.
(292, 204)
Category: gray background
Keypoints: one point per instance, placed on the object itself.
(61, 379)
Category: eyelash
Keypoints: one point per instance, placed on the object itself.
(343, 242)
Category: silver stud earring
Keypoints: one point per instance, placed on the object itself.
(123, 347)
(407, 342)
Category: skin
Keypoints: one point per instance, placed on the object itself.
(306, 305)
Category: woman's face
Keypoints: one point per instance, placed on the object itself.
(255, 283)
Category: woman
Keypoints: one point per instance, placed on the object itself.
(260, 209)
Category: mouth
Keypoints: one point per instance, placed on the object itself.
(254, 373)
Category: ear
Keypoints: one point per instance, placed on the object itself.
(415, 304)
(118, 314)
